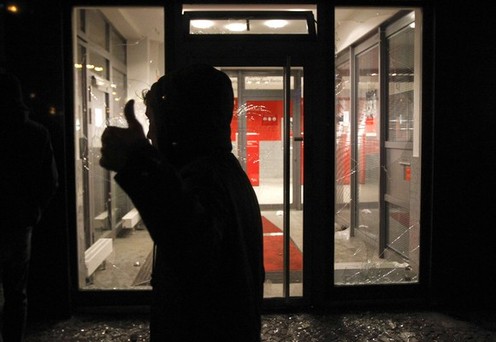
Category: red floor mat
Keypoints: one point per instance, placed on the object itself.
(273, 249)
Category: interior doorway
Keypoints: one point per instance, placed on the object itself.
(258, 130)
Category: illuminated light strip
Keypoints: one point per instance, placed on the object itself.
(274, 234)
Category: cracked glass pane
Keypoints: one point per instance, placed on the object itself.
(117, 56)
(377, 172)
(257, 134)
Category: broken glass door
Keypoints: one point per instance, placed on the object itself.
(118, 54)
(268, 141)
(377, 160)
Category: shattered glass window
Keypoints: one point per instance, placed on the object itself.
(115, 60)
(377, 201)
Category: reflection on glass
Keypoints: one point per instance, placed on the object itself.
(403, 181)
(343, 151)
(367, 158)
(114, 248)
(401, 77)
(98, 65)
(377, 207)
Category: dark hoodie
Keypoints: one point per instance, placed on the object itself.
(197, 107)
(28, 174)
(202, 213)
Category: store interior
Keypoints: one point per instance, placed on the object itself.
(114, 248)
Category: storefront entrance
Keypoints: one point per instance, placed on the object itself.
(115, 249)
(351, 203)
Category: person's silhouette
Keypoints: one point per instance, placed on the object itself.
(198, 205)
(28, 182)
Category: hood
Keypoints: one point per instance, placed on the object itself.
(193, 108)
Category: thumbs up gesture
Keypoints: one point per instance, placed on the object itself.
(118, 143)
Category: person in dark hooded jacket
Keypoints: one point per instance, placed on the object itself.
(198, 205)
(27, 183)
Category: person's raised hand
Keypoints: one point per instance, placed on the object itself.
(118, 143)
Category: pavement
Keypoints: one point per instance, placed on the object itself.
(357, 326)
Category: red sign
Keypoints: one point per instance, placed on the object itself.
(407, 173)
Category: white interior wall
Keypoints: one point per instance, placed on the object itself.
(139, 77)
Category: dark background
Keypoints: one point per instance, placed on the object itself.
(458, 131)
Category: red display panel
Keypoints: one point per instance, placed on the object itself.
(264, 119)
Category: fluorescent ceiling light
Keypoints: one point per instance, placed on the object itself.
(236, 27)
(276, 23)
(202, 24)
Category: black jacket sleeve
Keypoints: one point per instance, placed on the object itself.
(181, 213)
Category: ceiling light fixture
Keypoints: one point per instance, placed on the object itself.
(202, 24)
(276, 23)
(236, 27)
